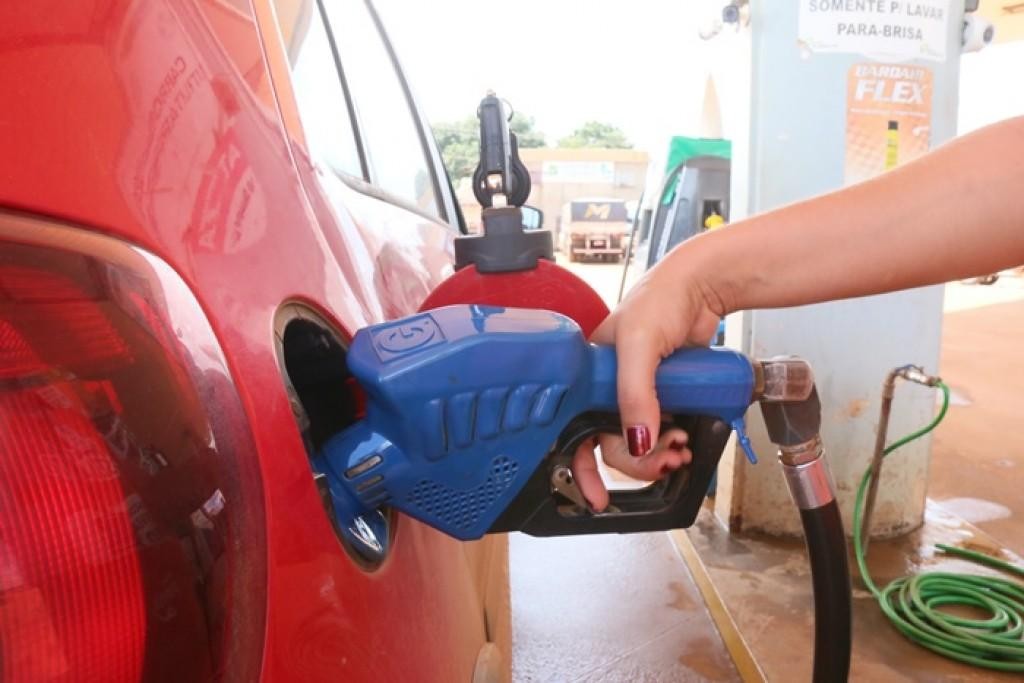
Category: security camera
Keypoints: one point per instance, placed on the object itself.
(736, 13)
(731, 12)
(978, 32)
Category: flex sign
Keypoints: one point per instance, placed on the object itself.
(886, 86)
(888, 117)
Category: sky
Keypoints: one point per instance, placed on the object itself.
(636, 64)
(989, 85)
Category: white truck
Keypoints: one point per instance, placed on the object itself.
(595, 228)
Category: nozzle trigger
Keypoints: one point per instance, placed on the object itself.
(740, 426)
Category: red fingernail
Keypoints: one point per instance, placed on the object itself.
(677, 445)
(638, 438)
(665, 469)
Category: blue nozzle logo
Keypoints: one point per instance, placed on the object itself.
(406, 336)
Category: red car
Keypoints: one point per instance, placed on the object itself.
(201, 201)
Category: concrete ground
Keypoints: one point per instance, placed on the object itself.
(627, 608)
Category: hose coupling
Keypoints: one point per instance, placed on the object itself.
(807, 474)
(916, 374)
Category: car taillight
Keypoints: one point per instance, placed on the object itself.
(131, 515)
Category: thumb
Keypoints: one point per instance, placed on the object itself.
(638, 402)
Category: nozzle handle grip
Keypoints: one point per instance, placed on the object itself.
(691, 381)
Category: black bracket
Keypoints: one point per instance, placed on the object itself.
(504, 246)
(500, 170)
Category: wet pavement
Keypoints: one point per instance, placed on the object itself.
(610, 608)
(766, 586)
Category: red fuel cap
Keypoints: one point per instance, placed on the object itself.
(548, 286)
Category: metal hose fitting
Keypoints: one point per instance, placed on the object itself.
(807, 474)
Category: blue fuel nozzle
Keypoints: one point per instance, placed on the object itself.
(468, 406)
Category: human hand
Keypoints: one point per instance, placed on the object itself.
(669, 454)
(670, 307)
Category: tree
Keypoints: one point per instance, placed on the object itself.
(526, 135)
(596, 134)
(459, 145)
(459, 142)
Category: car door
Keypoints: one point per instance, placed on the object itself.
(373, 178)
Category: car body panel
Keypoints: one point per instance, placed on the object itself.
(157, 122)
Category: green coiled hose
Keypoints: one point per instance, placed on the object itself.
(914, 603)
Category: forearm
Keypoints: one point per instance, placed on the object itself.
(956, 213)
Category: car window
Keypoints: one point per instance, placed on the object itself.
(394, 148)
(330, 138)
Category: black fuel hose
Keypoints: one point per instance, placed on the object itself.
(794, 426)
(830, 574)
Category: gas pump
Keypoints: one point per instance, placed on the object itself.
(475, 406)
